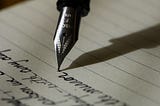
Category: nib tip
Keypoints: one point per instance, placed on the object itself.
(58, 68)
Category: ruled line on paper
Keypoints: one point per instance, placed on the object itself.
(147, 10)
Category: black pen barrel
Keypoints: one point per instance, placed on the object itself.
(83, 5)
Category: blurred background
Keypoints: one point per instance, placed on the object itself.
(7, 3)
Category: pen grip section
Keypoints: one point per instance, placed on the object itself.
(83, 5)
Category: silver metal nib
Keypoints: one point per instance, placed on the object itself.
(66, 33)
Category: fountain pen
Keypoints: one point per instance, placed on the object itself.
(67, 30)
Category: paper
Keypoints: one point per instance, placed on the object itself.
(116, 61)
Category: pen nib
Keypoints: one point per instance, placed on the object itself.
(62, 47)
(66, 34)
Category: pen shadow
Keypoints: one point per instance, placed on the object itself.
(7, 3)
(148, 38)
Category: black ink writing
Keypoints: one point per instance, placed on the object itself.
(14, 101)
(15, 64)
(35, 95)
(1, 73)
(3, 56)
(22, 68)
(14, 82)
(80, 84)
(102, 98)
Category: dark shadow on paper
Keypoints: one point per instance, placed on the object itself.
(7, 3)
(148, 38)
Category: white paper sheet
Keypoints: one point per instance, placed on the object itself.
(116, 61)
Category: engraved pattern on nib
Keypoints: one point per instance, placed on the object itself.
(63, 46)
(65, 43)
(58, 46)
